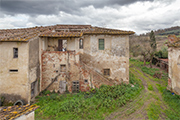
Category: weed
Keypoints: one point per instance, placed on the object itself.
(150, 87)
(94, 104)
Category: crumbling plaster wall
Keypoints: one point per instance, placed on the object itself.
(174, 68)
(34, 66)
(14, 85)
(114, 56)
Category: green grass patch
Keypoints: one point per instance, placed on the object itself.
(150, 87)
(95, 104)
(153, 111)
(173, 101)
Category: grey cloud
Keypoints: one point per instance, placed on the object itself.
(47, 7)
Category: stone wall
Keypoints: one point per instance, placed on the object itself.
(174, 68)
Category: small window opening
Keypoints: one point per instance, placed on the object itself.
(85, 81)
(13, 70)
(62, 68)
(81, 44)
(75, 86)
(101, 44)
(15, 52)
(107, 72)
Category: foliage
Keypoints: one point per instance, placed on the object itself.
(153, 111)
(150, 87)
(174, 103)
(153, 41)
(150, 71)
(163, 53)
(89, 105)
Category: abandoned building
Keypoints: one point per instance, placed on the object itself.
(61, 58)
(174, 64)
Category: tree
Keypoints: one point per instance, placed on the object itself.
(153, 46)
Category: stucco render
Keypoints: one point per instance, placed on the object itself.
(174, 68)
(115, 55)
(14, 85)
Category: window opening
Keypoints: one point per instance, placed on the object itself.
(101, 44)
(85, 81)
(13, 70)
(62, 45)
(15, 52)
(62, 68)
(75, 86)
(107, 72)
(81, 44)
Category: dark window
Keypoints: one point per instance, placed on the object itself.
(13, 70)
(81, 44)
(85, 81)
(75, 86)
(107, 72)
(62, 68)
(101, 44)
(15, 52)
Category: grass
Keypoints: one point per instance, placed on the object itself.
(150, 87)
(172, 111)
(95, 104)
(173, 101)
(99, 103)
(153, 110)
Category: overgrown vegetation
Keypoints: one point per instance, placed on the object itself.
(172, 100)
(163, 53)
(87, 105)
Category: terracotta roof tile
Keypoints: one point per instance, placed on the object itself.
(12, 112)
(25, 34)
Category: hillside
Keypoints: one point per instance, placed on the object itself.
(167, 31)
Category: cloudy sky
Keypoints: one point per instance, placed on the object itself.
(137, 15)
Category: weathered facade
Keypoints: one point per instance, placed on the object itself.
(174, 64)
(61, 58)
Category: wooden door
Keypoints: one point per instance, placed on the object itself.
(60, 45)
(62, 86)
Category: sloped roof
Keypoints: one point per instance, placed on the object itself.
(12, 112)
(25, 34)
(173, 41)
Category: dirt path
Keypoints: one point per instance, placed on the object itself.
(143, 106)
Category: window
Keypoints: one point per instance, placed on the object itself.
(15, 52)
(62, 68)
(101, 44)
(85, 81)
(107, 72)
(75, 86)
(13, 70)
(81, 44)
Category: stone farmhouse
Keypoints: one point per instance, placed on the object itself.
(174, 64)
(61, 58)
